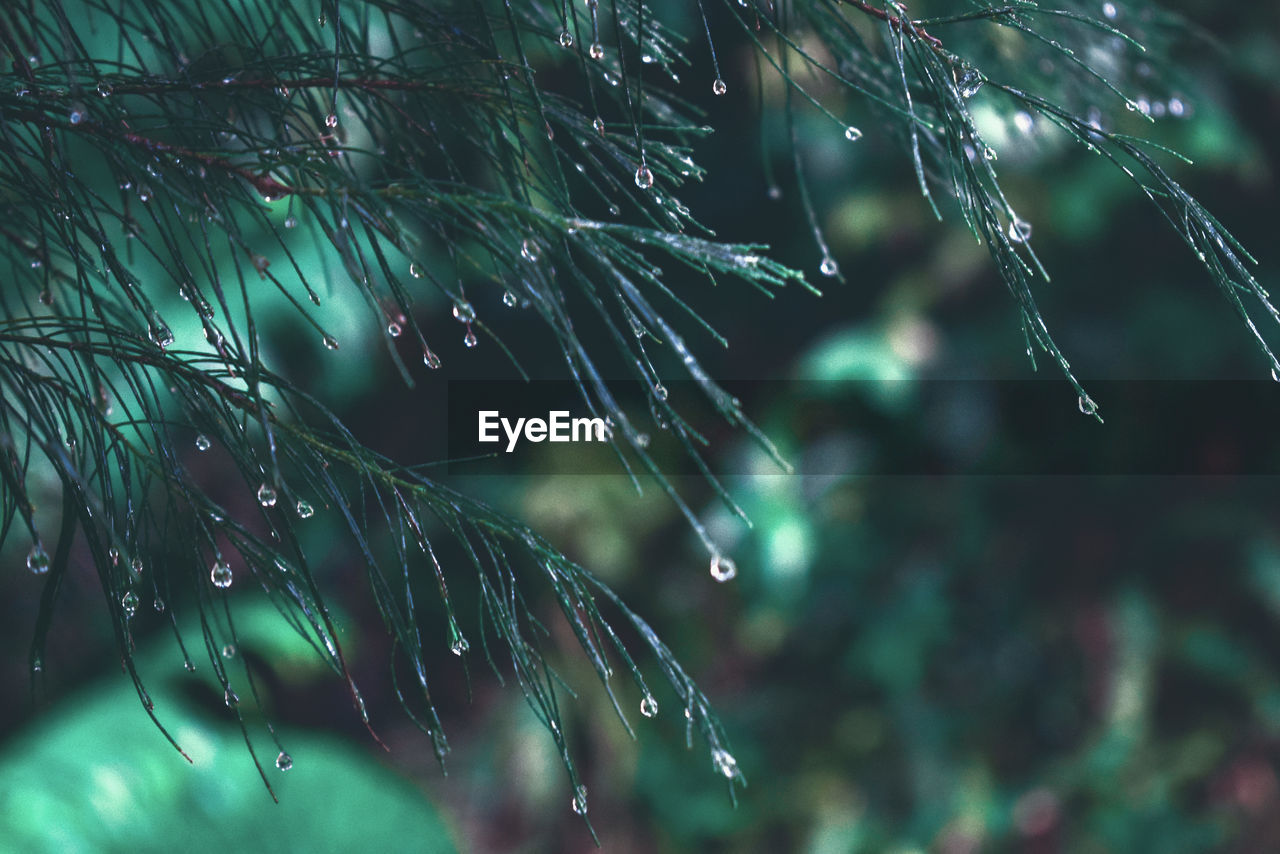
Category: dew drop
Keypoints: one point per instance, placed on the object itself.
(136, 566)
(463, 312)
(331, 120)
(431, 360)
(38, 560)
(415, 270)
(852, 134)
(566, 39)
(158, 604)
(722, 567)
(266, 496)
(104, 89)
(76, 117)
(231, 699)
(508, 299)
(989, 153)
(644, 177)
(291, 221)
(330, 343)
(725, 764)
(459, 646)
(719, 87)
(828, 267)
(159, 333)
(580, 800)
(528, 250)
(470, 339)
(229, 651)
(596, 51)
(1019, 231)
(130, 604)
(1087, 406)
(969, 83)
(305, 510)
(284, 761)
(660, 391)
(114, 554)
(394, 329)
(648, 706)
(220, 575)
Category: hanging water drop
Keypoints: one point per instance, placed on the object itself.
(331, 120)
(648, 706)
(266, 495)
(104, 89)
(330, 343)
(459, 646)
(463, 312)
(203, 443)
(158, 604)
(291, 221)
(660, 391)
(394, 329)
(1019, 231)
(130, 604)
(725, 763)
(305, 510)
(722, 567)
(220, 575)
(989, 153)
(508, 299)
(828, 267)
(644, 177)
(159, 333)
(415, 270)
(852, 134)
(1087, 406)
(719, 87)
(231, 698)
(470, 339)
(596, 51)
(229, 651)
(598, 124)
(580, 800)
(566, 39)
(969, 82)
(528, 250)
(77, 115)
(284, 761)
(136, 566)
(431, 360)
(38, 560)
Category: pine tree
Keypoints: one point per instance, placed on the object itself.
(210, 150)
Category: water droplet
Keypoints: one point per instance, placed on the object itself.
(660, 391)
(459, 646)
(828, 267)
(159, 333)
(470, 339)
(220, 575)
(774, 193)
(1019, 231)
(158, 604)
(394, 329)
(130, 604)
(1087, 406)
(648, 706)
(231, 698)
(725, 764)
(284, 761)
(508, 299)
(229, 651)
(644, 177)
(38, 560)
(989, 153)
(77, 115)
(852, 134)
(415, 270)
(331, 120)
(291, 221)
(969, 82)
(463, 312)
(266, 495)
(566, 39)
(1275, 375)
(1109, 11)
(596, 51)
(104, 89)
(580, 801)
(305, 510)
(642, 440)
(722, 567)
(114, 554)
(203, 443)
(528, 250)
(330, 343)
(719, 87)
(136, 566)
(431, 360)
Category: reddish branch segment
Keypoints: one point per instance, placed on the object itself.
(898, 22)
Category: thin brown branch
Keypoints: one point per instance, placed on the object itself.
(897, 22)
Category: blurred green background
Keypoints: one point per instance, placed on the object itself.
(904, 663)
